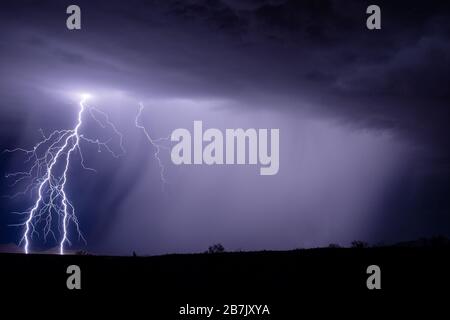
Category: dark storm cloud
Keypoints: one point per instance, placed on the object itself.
(296, 58)
(312, 48)
(320, 50)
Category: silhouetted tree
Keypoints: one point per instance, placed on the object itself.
(217, 248)
(359, 244)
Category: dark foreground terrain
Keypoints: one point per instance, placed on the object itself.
(286, 281)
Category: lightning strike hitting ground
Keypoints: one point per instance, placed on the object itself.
(50, 161)
(156, 143)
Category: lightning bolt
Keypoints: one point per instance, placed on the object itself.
(49, 155)
(156, 144)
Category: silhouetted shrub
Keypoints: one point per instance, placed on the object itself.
(82, 253)
(359, 244)
(217, 248)
(334, 245)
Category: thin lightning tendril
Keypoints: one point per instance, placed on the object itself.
(156, 143)
(52, 152)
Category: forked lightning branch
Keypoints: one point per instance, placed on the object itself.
(49, 161)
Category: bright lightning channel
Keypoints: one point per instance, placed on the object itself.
(52, 151)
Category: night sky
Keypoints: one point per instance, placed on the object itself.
(363, 118)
